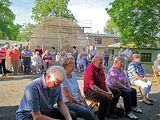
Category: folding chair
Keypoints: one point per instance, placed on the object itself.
(156, 76)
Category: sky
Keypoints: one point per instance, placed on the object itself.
(89, 13)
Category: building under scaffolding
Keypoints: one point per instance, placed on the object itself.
(58, 32)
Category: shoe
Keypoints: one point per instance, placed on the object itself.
(151, 100)
(136, 109)
(147, 102)
(131, 116)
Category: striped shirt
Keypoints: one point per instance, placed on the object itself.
(133, 68)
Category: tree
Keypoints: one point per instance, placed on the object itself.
(27, 31)
(137, 21)
(7, 28)
(111, 27)
(47, 8)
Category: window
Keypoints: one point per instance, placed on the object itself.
(146, 57)
(116, 40)
(98, 40)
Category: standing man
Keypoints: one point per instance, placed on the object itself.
(75, 55)
(127, 57)
(15, 54)
(26, 54)
(106, 57)
(93, 52)
(41, 95)
(96, 89)
(21, 59)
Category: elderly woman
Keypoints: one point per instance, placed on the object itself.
(71, 92)
(137, 77)
(117, 78)
(47, 59)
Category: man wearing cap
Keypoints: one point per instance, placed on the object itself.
(41, 96)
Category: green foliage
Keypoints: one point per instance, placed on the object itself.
(7, 28)
(137, 21)
(111, 27)
(47, 8)
(27, 31)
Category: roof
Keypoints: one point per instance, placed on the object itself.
(103, 35)
(118, 45)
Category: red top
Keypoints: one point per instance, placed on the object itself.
(93, 75)
(14, 53)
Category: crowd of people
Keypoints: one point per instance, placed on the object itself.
(57, 94)
(22, 59)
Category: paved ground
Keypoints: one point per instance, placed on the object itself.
(11, 90)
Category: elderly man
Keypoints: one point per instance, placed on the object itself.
(96, 89)
(40, 97)
(117, 78)
(26, 54)
(137, 77)
(157, 64)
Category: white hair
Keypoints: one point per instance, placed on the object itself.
(56, 72)
(158, 55)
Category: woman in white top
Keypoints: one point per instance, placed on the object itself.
(71, 92)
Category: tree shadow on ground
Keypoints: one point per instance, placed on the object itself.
(8, 112)
(19, 77)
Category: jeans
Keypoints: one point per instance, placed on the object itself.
(27, 64)
(107, 105)
(81, 111)
(129, 98)
(106, 61)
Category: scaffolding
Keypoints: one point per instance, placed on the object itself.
(58, 32)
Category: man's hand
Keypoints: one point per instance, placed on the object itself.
(110, 94)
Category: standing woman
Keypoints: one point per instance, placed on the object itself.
(15, 54)
(3, 59)
(71, 92)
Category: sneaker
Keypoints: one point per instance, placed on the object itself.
(131, 116)
(136, 109)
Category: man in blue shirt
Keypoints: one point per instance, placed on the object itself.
(41, 95)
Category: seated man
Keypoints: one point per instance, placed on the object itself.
(41, 95)
(137, 77)
(117, 78)
(96, 89)
(157, 64)
(81, 63)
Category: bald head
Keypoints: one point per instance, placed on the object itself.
(98, 60)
